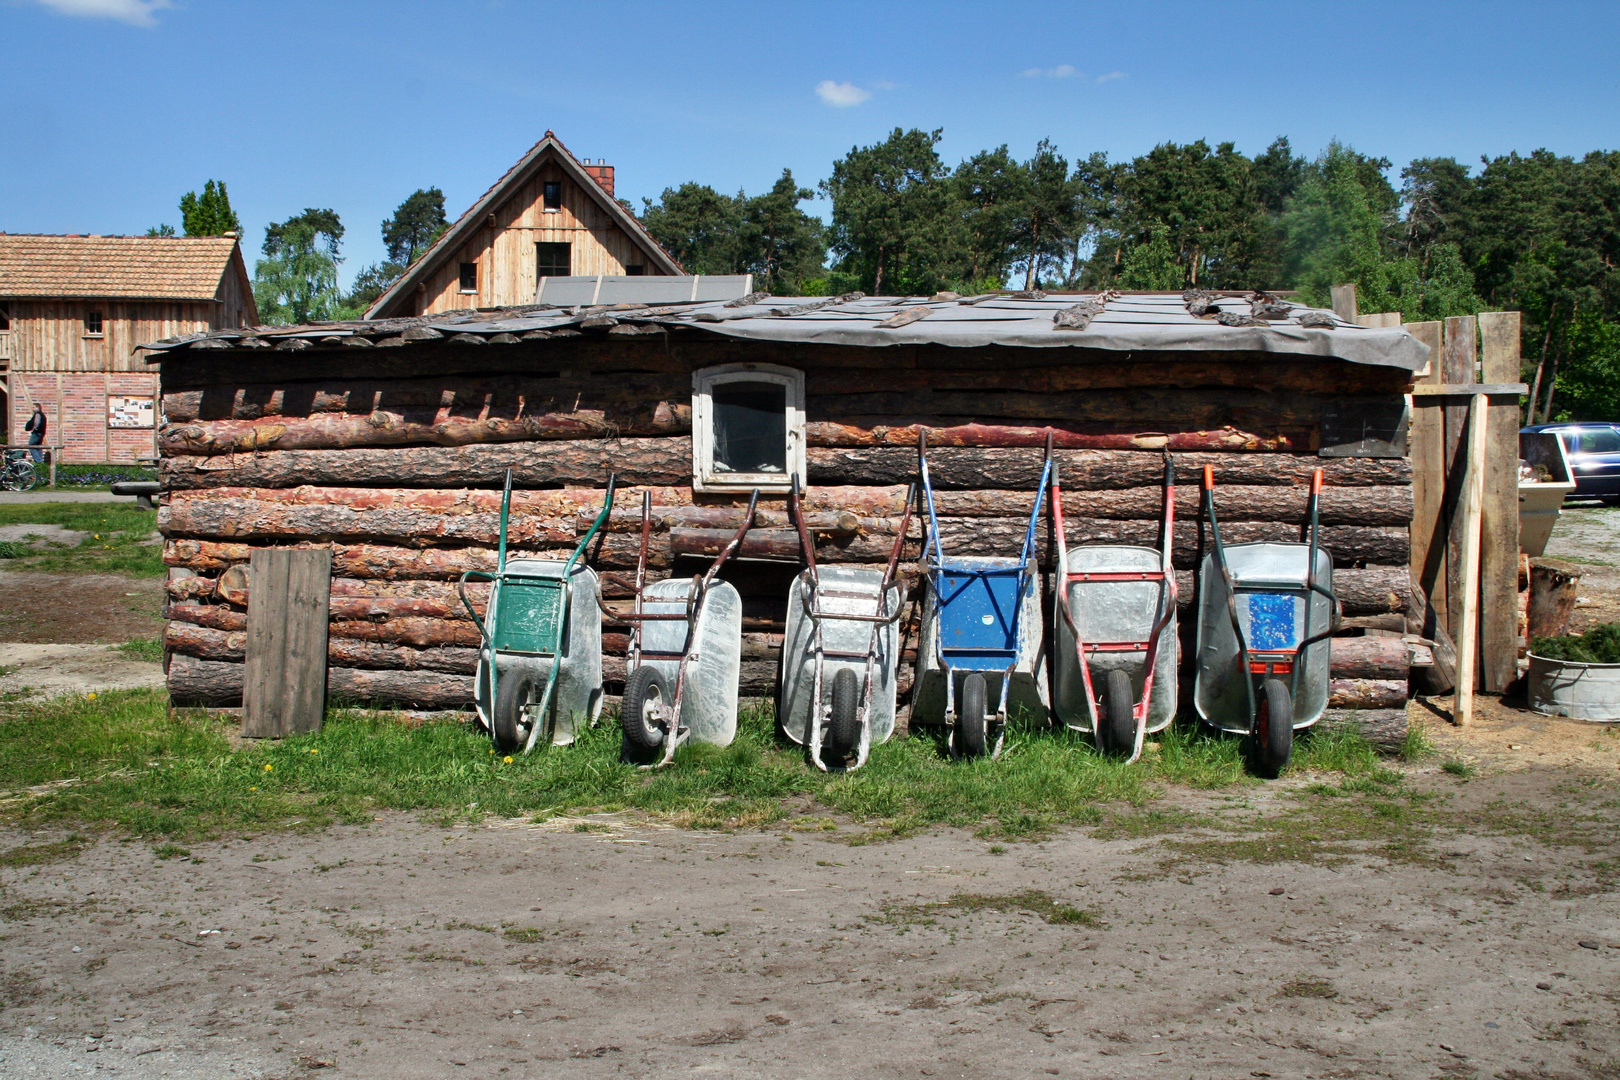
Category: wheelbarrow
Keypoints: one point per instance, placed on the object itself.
(1265, 613)
(540, 648)
(685, 655)
(840, 653)
(1117, 650)
(980, 649)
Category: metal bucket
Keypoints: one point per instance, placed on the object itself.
(839, 635)
(709, 699)
(1576, 690)
(578, 696)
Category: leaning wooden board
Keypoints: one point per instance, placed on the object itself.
(284, 681)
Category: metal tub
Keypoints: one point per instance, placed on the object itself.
(990, 638)
(799, 663)
(577, 698)
(709, 699)
(1108, 611)
(1576, 690)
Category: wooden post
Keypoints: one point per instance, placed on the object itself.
(1427, 441)
(284, 684)
(1456, 367)
(1468, 610)
(1499, 522)
(1553, 588)
(1344, 302)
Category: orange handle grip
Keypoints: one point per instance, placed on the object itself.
(1209, 478)
(1316, 481)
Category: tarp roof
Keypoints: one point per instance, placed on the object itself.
(1122, 322)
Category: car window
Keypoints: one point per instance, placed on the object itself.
(1599, 441)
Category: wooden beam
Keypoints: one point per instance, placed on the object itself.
(1344, 302)
(1499, 522)
(1457, 354)
(1488, 388)
(284, 688)
(1468, 611)
(1426, 438)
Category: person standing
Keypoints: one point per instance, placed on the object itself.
(36, 433)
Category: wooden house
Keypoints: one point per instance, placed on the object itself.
(75, 309)
(551, 215)
(388, 442)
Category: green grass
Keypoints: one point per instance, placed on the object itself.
(143, 649)
(135, 767)
(112, 544)
(1032, 901)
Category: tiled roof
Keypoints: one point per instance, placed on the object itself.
(136, 267)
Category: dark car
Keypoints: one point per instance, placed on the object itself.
(1594, 457)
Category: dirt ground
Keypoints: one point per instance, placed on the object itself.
(39, 671)
(79, 608)
(1588, 535)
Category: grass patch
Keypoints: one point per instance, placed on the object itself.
(37, 854)
(1458, 768)
(1030, 901)
(113, 544)
(171, 851)
(139, 768)
(1308, 988)
(143, 649)
(526, 935)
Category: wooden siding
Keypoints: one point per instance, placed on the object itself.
(505, 252)
(49, 335)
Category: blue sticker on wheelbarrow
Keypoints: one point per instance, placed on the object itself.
(1271, 621)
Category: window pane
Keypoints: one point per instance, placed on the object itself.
(1599, 441)
(750, 427)
(469, 277)
(553, 195)
(92, 322)
(554, 260)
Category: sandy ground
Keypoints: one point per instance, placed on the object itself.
(79, 608)
(40, 671)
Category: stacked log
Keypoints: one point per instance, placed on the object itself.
(396, 468)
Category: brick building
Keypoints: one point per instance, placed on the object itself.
(75, 309)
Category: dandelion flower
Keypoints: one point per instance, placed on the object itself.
(507, 759)
(91, 696)
(313, 750)
(269, 768)
(253, 789)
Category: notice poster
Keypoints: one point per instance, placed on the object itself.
(130, 412)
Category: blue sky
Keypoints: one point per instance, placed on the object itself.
(113, 108)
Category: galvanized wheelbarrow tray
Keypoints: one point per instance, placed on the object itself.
(685, 655)
(1115, 626)
(840, 653)
(979, 651)
(540, 653)
(1265, 613)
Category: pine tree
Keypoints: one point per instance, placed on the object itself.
(210, 213)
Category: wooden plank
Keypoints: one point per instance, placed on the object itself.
(1426, 439)
(1469, 518)
(1344, 302)
(1456, 366)
(1497, 389)
(284, 687)
(1499, 521)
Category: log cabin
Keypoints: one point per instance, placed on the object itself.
(388, 440)
(550, 215)
(74, 310)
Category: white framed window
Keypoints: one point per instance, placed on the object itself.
(747, 427)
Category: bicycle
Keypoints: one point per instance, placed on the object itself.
(18, 474)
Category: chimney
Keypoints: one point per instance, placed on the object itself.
(603, 172)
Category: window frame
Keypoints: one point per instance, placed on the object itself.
(545, 200)
(704, 477)
(100, 322)
(569, 244)
(465, 291)
(5, 319)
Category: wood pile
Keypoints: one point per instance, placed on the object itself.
(396, 467)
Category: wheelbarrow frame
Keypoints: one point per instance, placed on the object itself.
(1263, 664)
(668, 714)
(937, 564)
(1165, 577)
(812, 592)
(489, 623)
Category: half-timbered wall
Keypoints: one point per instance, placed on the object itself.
(397, 464)
(504, 250)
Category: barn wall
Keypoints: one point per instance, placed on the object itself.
(397, 464)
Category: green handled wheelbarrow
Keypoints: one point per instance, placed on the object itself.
(540, 654)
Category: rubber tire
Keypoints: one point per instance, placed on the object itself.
(1119, 716)
(970, 719)
(644, 687)
(1273, 729)
(843, 727)
(512, 693)
(25, 479)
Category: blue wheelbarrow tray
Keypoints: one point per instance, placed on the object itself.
(523, 612)
(839, 635)
(983, 628)
(1270, 580)
(709, 697)
(1112, 611)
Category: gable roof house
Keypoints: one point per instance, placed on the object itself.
(74, 310)
(551, 215)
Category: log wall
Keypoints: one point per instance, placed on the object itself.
(394, 459)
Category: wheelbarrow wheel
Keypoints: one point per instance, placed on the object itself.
(970, 718)
(644, 693)
(1119, 715)
(843, 727)
(1273, 730)
(514, 692)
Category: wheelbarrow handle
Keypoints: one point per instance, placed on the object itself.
(461, 591)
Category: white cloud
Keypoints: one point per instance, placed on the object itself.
(134, 12)
(1032, 73)
(841, 95)
(1062, 71)
(1110, 77)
